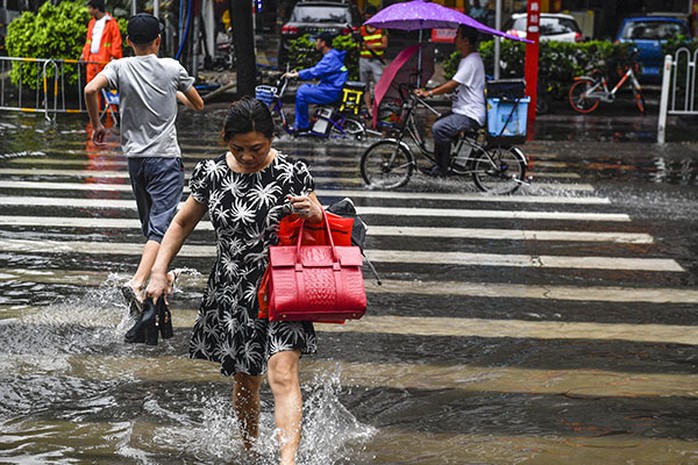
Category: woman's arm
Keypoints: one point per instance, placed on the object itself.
(182, 225)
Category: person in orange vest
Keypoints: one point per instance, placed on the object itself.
(103, 39)
(373, 44)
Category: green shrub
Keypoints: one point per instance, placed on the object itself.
(56, 32)
(674, 43)
(302, 53)
(558, 62)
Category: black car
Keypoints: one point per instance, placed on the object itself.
(313, 18)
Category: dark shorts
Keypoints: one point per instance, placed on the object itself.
(158, 184)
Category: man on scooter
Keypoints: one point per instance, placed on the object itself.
(332, 74)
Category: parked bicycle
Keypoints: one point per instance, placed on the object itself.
(588, 91)
(495, 167)
(328, 122)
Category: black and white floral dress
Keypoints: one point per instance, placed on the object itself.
(245, 210)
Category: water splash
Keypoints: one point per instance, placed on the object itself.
(331, 434)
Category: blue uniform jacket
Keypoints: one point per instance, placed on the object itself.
(330, 70)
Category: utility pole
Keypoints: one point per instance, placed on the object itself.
(531, 63)
(243, 38)
(497, 39)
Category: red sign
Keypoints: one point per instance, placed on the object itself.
(445, 36)
(531, 70)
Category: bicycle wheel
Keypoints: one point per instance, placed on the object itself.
(499, 170)
(578, 99)
(386, 165)
(351, 127)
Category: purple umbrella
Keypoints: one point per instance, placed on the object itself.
(420, 14)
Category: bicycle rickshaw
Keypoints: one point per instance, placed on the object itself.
(489, 155)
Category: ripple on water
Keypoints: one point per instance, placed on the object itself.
(66, 393)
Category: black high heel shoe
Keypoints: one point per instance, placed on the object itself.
(155, 318)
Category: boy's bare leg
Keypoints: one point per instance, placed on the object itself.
(140, 279)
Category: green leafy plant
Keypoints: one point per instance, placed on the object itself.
(558, 62)
(56, 32)
(302, 53)
(125, 47)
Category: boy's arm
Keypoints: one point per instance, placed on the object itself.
(92, 90)
(191, 99)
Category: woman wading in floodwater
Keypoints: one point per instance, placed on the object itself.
(246, 191)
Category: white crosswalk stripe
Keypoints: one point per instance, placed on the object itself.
(379, 256)
(396, 231)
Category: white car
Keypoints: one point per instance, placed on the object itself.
(553, 26)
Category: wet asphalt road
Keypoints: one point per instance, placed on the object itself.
(557, 325)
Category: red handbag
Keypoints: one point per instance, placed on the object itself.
(322, 283)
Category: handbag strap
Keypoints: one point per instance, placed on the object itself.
(301, 294)
(326, 220)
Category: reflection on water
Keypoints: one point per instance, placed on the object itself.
(62, 399)
(458, 364)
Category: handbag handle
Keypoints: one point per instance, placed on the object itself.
(329, 235)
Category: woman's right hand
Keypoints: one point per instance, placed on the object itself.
(157, 286)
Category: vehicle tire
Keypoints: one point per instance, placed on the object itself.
(577, 99)
(386, 165)
(501, 172)
(352, 128)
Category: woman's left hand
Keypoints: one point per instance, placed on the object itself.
(307, 207)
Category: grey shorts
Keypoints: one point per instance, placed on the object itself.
(158, 184)
(370, 69)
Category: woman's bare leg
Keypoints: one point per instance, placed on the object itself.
(246, 406)
(288, 404)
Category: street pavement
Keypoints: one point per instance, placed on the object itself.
(556, 325)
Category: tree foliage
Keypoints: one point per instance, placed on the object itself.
(56, 32)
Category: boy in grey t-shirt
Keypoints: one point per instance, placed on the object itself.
(149, 89)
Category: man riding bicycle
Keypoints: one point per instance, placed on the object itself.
(468, 101)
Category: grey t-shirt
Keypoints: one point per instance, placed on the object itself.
(147, 88)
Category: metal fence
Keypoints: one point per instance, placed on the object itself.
(678, 95)
(53, 93)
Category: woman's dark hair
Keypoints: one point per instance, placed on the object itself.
(247, 115)
(469, 34)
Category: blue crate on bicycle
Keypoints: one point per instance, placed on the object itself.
(265, 94)
(507, 119)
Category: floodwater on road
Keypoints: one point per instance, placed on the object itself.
(554, 326)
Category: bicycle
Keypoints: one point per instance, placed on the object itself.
(495, 167)
(328, 121)
(588, 91)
